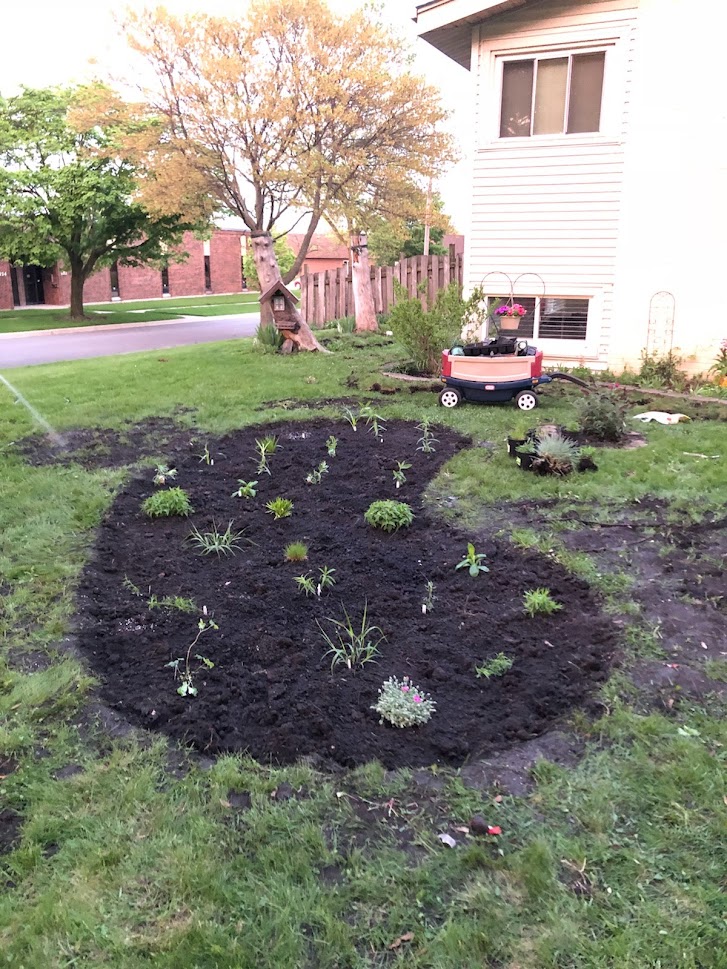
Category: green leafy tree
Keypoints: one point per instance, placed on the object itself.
(285, 258)
(70, 192)
(391, 238)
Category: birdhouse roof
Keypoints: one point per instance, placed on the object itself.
(278, 288)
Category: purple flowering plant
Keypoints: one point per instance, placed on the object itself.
(517, 309)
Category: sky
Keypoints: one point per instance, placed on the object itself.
(71, 41)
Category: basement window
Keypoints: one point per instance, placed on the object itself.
(550, 318)
(552, 94)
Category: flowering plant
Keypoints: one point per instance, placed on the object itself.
(719, 367)
(517, 309)
(403, 704)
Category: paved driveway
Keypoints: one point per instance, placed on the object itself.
(20, 350)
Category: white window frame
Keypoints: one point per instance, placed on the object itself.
(491, 60)
(564, 348)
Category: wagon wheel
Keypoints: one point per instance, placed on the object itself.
(526, 400)
(450, 397)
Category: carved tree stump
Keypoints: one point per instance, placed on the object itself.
(269, 274)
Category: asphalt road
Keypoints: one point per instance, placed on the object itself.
(25, 349)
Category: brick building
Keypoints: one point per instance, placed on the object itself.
(324, 252)
(212, 266)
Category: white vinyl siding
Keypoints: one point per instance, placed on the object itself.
(551, 204)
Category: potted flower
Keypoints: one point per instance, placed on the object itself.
(509, 315)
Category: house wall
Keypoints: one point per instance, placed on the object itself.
(552, 205)
(674, 214)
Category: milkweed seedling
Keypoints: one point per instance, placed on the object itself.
(428, 604)
(265, 447)
(247, 489)
(187, 674)
(331, 445)
(314, 477)
(162, 473)
(398, 472)
(472, 561)
(427, 441)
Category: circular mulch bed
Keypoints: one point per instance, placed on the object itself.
(271, 691)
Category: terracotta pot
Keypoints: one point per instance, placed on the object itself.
(509, 322)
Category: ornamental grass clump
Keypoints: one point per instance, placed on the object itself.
(164, 504)
(389, 515)
(402, 704)
(280, 508)
(296, 552)
(555, 454)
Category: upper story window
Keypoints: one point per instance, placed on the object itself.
(552, 95)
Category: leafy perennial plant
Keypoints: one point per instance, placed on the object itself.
(389, 515)
(164, 504)
(402, 704)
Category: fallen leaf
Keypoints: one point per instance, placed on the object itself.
(448, 840)
(225, 803)
(673, 666)
(704, 646)
(462, 829)
(498, 799)
(406, 937)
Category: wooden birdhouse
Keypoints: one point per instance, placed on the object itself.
(282, 303)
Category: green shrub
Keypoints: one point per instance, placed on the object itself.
(663, 371)
(403, 704)
(389, 515)
(268, 338)
(425, 333)
(602, 415)
(163, 504)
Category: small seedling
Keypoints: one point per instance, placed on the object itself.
(247, 489)
(398, 472)
(315, 476)
(349, 646)
(402, 704)
(472, 561)
(180, 603)
(497, 666)
(217, 542)
(389, 515)
(331, 445)
(427, 441)
(265, 448)
(164, 504)
(296, 552)
(375, 422)
(540, 602)
(162, 474)
(351, 418)
(428, 604)
(206, 456)
(133, 589)
(187, 674)
(305, 584)
(325, 580)
(280, 507)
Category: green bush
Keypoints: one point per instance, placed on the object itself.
(162, 504)
(602, 415)
(425, 333)
(389, 515)
(268, 338)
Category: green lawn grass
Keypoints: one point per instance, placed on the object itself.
(139, 311)
(126, 861)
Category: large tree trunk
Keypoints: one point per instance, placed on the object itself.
(78, 280)
(363, 297)
(268, 273)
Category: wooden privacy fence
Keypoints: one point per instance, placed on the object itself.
(328, 295)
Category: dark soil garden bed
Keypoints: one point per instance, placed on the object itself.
(271, 691)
